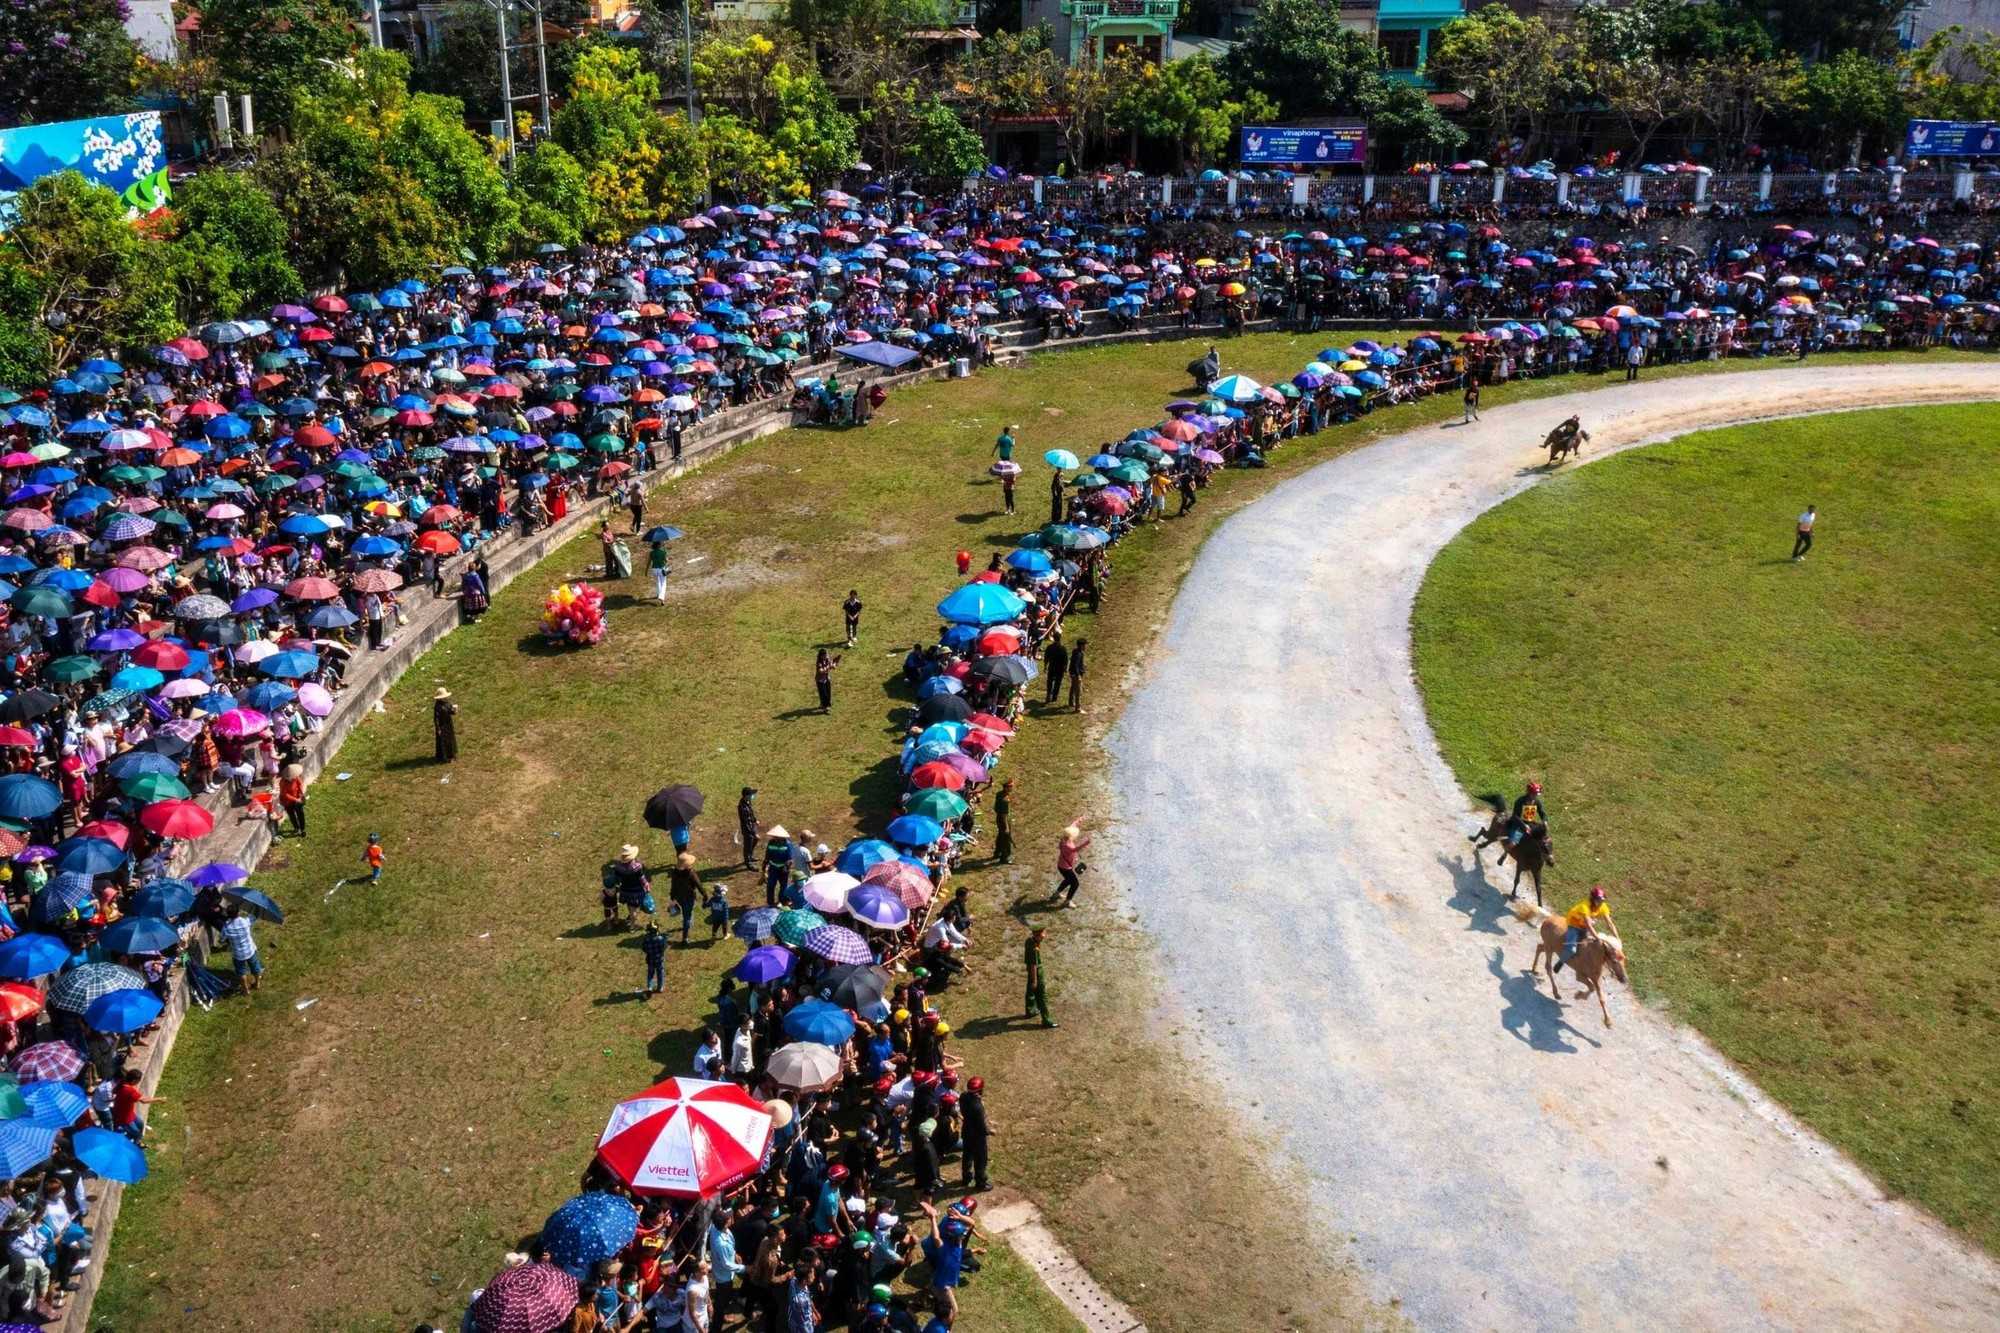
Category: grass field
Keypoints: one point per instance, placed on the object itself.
(1777, 770)
(363, 1162)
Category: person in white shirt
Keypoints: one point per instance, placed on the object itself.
(942, 934)
(697, 1315)
(742, 1054)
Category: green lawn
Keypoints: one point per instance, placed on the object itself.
(364, 1161)
(1780, 771)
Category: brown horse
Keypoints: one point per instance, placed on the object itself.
(1530, 854)
(1594, 953)
(1565, 440)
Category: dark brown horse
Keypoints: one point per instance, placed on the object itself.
(1530, 854)
(1565, 440)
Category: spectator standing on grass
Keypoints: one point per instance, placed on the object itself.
(292, 797)
(1037, 1001)
(684, 891)
(823, 668)
(444, 725)
(243, 950)
(654, 945)
(1635, 356)
(974, 1131)
(1471, 400)
(1055, 665)
(850, 611)
(746, 825)
(1076, 674)
(1802, 542)
(1003, 828)
(1069, 862)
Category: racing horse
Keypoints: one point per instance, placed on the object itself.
(1565, 440)
(1594, 954)
(1531, 853)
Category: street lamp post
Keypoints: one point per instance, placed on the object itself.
(687, 60)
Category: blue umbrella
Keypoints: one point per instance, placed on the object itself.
(915, 831)
(27, 956)
(53, 1105)
(138, 678)
(372, 546)
(253, 599)
(61, 895)
(304, 525)
(288, 666)
(585, 1231)
(981, 604)
(89, 856)
(107, 1152)
(816, 1020)
(764, 964)
(331, 616)
(165, 898)
(26, 798)
(257, 901)
(755, 924)
(124, 1010)
(139, 933)
(857, 856)
(25, 1145)
(940, 685)
(269, 696)
(1033, 562)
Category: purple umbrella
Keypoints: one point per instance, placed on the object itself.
(764, 964)
(117, 640)
(878, 907)
(254, 599)
(837, 944)
(122, 580)
(221, 872)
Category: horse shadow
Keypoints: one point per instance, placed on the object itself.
(1485, 910)
(1532, 1015)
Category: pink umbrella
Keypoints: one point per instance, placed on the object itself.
(184, 689)
(530, 1298)
(254, 651)
(124, 580)
(148, 558)
(314, 700)
(904, 880)
(828, 892)
(241, 722)
(222, 511)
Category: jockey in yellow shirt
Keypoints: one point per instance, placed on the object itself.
(1589, 917)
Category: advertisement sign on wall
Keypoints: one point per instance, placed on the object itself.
(1952, 138)
(126, 154)
(1284, 146)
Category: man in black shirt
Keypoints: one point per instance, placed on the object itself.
(973, 1133)
(746, 824)
(1055, 665)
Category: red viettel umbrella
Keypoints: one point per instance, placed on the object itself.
(533, 1298)
(686, 1138)
(178, 819)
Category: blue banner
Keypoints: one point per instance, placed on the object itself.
(125, 154)
(1952, 138)
(1280, 145)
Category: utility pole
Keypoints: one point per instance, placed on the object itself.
(375, 24)
(534, 7)
(506, 77)
(687, 61)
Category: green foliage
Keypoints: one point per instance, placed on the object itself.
(1515, 70)
(1297, 54)
(837, 23)
(279, 50)
(457, 171)
(230, 235)
(62, 59)
(554, 196)
(1404, 125)
(110, 284)
(1010, 73)
(943, 147)
(774, 91)
(639, 166)
(25, 353)
(465, 61)
(1855, 98)
(1188, 103)
(1955, 76)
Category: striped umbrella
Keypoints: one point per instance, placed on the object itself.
(532, 1298)
(687, 1138)
(54, 1104)
(48, 1060)
(755, 924)
(837, 944)
(74, 990)
(907, 882)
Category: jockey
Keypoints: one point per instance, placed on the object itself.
(1530, 815)
(1584, 919)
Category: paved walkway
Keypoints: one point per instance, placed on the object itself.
(1503, 1162)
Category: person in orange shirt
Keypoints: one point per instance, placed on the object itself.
(292, 797)
(375, 858)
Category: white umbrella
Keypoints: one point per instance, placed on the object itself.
(804, 1065)
(828, 892)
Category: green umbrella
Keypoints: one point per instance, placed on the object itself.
(562, 462)
(150, 787)
(793, 923)
(12, 1104)
(1089, 481)
(563, 390)
(937, 803)
(254, 410)
(429, 453)
(1132, 474)
(173, 518)
(50, 452)
(41, 600)
(124, 474)
(349, 470)
(1152, 453)
(275, 482)
(364, 302)
(273, 361)
(605, 444)
(70, 670)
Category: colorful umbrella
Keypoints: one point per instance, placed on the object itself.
(531, 1298)
(686, 1138)
(53, 1060)
(907, 882)
(837, 944)
(589, 1228)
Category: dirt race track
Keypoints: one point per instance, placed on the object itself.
(1295, 845)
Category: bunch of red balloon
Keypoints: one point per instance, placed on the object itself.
(574, 614)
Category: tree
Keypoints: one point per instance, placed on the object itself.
(1188, 103)
(93, 280)
(1010, 74)
(458, 172)
(465, 61)
(1822, 29)
(278, 50)
(1512, 69)
(228, 234)
(1855, 98)
(25, 351)
(554, 194)
(1734, 97)
(639, 166)
(943, 148)
(1404, 125)
(1954, 76)
(64, 59)
(775, 90)
(1297, 55)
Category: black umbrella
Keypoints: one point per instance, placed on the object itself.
(672, 807)
(1009, 670)
(221, 633)
(943, 708)
(164, 742)
(28, 704)
(855, 988)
